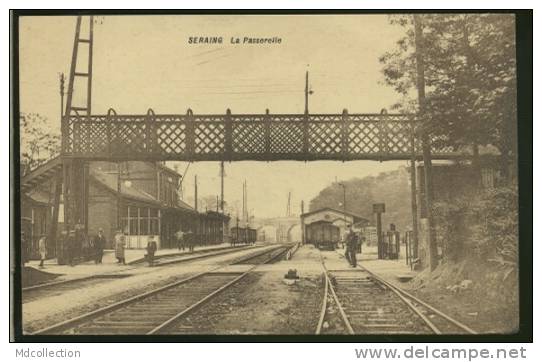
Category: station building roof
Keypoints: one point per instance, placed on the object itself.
(326, 209)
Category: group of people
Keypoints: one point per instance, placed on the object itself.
(353, 246)
(185, 240)
(93, 247)
(99, 243)
(96, 246)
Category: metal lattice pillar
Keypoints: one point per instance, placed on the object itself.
(75, 172)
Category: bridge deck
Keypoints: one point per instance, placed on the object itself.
(228, 137)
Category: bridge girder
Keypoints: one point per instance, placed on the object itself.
(229, 137)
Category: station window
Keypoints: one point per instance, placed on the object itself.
(154, 226)
(133, 227)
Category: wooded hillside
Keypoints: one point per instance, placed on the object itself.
(391, 188)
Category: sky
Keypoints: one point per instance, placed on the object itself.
(143, 62)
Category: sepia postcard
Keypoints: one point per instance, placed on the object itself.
(281, 176)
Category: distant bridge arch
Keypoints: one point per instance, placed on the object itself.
(283, 227)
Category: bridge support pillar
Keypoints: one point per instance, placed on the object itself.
(75, 191)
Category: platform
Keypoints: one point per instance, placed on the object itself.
(109, 262)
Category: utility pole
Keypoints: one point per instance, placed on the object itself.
(378, 209)
(246, 204)
(119, 196)
(196, 192)
(57, 183)
(62, 80)
(344, 203)
(413, 203)
(302, 222)
(222, 174)
(426, 145)
(244, 200)
(307, 92)
(288, 210)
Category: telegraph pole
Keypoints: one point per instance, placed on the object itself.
(307, 92)
(246, 204)
(426, 145)
(196, 192)
(244, 200)
(119, 196)
(62, 80)
(344, 203)
(288, 210)
(302, 222)
(222, 174)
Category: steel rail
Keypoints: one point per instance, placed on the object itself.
(109, 308)
(337, 302)
(324, 308)
(137, 264)
(200, 302)
(404, 293)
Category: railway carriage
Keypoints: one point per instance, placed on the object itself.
(240, 235)
(323, 227)
(323, 235)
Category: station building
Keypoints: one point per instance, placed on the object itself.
(328, 225)
(140, 198)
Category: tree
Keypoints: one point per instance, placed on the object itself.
(470, 77)
(38, 143)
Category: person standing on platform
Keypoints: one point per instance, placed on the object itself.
(99, 245)
(120, 244)
(151, 250)
(70, 247)
(190, 240)
(180, 236)
(347, 236)
(361, 242)
(351, 246)
(42, 246)
(24, 248)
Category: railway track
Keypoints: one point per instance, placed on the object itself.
(31, 294)
(367, 304)
(163, 260)
(53, 288)
(154, 311)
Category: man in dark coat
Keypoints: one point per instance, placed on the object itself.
(99, 245)
(189, 238)
(351, 246)
(151, 250)
(70, 247)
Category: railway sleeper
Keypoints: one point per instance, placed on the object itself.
(116, 330)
